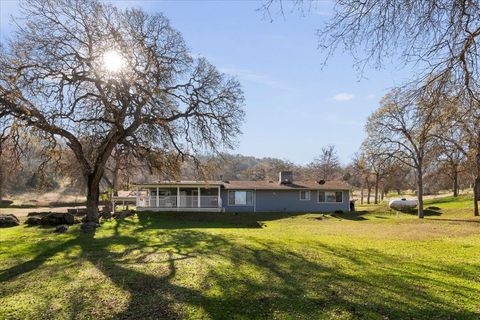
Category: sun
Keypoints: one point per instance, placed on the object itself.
(113, 61)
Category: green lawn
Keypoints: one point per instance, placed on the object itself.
(372, 264)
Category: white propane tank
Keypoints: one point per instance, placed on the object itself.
(399, 204)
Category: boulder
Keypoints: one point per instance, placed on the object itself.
(34, 221)
(61, 228)
(82, 211)
(5, 203)
(124, 214)
(38, 214)
(8, 220)
(107, 215)
(89, 226)
(57, 218)
(69, 219)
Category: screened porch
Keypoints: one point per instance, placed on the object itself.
(189, 198)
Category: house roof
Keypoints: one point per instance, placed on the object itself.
(182, 182)
(296, 185)
(259, 185)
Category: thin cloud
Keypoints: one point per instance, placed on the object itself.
(343, 96)
(371, 96)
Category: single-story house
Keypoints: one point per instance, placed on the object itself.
(284, 195)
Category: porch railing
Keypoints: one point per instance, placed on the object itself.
(185, 202)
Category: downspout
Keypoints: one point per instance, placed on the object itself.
(219, 199)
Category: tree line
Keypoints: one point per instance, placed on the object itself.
(436, 113)
(422, 133)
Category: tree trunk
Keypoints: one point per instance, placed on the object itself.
(476, 189)
(369, 193)
(93, 193)
(115, 180)
(1, 182)
(420, 192)
(476, 185)
(1, 174)
(361, 194)
(377, 178)
(383, 194)
(455, 181)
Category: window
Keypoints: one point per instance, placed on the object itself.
(240, 198)
(330, 196)
(304, 195)
(339, 196)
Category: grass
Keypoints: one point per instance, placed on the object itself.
(371, 264)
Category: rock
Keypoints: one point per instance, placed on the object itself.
(5, 203)
(8, 220)
(61, 228)
(89, 226)
(81, 211)
(105, 215)
(34, 221)
(124, 214)
(57, 218)
(36, 214)
(69, 219)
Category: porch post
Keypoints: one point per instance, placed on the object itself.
(219, 200)
(158, 199)
(198, 199)
(137, 195)
(178, 197)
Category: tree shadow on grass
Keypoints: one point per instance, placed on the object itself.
(262, 279)
(189, 220)
(428, 211)
(352, 215)
(49, 250)
(456, 220)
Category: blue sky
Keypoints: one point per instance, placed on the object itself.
(293, 106)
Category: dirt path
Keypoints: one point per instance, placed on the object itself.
(22, 212)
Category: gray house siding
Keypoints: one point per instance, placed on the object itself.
(287, 201)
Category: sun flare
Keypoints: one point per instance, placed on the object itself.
(113, 61)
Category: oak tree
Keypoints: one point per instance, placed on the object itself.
(94, 77)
